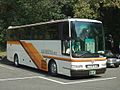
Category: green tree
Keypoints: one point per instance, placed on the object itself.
(5, 19)
(31, 11)
(86, 9)
(18, 12)
(110, 12)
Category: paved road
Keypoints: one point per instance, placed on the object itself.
(25, 78)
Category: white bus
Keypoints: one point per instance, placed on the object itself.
(70, 47)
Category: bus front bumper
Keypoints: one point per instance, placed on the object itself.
(77, 73)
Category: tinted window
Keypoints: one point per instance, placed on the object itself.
(42, 32)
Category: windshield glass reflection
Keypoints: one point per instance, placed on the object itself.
(87, 38)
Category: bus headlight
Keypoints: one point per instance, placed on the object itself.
(76, 66)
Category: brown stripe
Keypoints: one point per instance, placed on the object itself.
(13, 42)
(87, 59)
(35, 55)
(74, 59)
(38, 58)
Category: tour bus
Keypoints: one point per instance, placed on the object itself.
(69, 47)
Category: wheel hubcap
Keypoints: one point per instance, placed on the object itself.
(16, 61)
(53, 68)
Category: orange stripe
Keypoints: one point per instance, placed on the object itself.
(13, 42)
(35, 56)
(38, 59)
(74, 59)
(57, 57)
(87, 59)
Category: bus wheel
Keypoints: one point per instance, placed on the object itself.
(53, 68)
(16, 60)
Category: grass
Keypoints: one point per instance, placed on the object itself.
(2, 53)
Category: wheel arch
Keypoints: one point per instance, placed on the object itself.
(15, 54)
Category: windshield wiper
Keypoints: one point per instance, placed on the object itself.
(80, 53)
(85, 54)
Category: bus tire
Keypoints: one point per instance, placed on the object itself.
(53, 68)
(16, 60)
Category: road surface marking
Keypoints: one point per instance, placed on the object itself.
(75, 82)
(55, 81)
(93, 80)
(14, 79)
(52, 80)
(7, 67)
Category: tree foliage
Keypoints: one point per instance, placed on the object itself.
(86, 9)
(17, 12)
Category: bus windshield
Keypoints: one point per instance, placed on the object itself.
(86, 38)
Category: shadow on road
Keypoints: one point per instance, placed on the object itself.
(4, 60)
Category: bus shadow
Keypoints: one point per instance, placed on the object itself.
(77, 78)
(4, 61)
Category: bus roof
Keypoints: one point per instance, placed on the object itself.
(54, 21)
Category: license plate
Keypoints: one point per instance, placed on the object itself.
(92, 72)
(92, 66)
